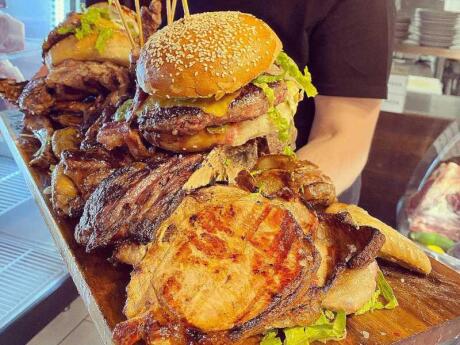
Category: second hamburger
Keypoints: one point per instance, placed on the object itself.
(217, 78)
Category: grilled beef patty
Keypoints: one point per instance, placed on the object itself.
(180, 120)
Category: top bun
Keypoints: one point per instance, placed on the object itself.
(117, 47)
(206, 54)
(116, 50)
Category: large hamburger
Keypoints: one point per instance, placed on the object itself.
(97, 34)
(217, 78)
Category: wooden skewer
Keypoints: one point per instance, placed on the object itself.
(168, 11)
(186, 9)
(139, 22)
(173, 12)
(120, 11)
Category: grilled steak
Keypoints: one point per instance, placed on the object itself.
(227, 265)
(133, 201)
(250, 103)
(42, 130)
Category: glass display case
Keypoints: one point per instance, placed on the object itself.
(34, 283)
(429, 210)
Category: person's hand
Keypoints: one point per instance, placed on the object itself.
(341, 137)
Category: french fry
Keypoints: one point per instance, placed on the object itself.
(397, 248)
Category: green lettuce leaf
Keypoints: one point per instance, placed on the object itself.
(329, 326)
(292, 70)
(288, 151)
(281, 124)
(104, 35)
(89, 21)
(383, 297)
(267, 78)
(64, 30)
(271, 338)
(120, 114)
(387, 291)
(267, 90)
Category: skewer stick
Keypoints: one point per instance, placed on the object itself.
(186, 9)
(120, 12)
(174, 5)
(139, 22)
(168, 11)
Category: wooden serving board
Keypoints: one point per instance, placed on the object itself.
(429, 311)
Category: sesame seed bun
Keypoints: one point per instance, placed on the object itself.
(206, 54)
(116, 50)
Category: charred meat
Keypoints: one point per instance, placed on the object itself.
(133, 201)
(11, 90)
(228, 265)
(77, 175)
(280, 176)
(118, 134)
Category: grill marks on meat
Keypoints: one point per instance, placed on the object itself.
(228, 264)
(250, 104)
(133, 201)
(11, 89)
(225, 276)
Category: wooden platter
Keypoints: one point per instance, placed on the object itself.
(429, 311)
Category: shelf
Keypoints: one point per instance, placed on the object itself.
(419, 50)
(33, 46)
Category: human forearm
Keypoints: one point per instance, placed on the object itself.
(338, 158)
(341, 137)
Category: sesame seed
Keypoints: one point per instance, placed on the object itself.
(207, 36)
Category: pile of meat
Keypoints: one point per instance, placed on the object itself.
(64, 110)
(224, 244)
(224, 263)
(436, 207)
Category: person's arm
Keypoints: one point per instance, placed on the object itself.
(341, 137)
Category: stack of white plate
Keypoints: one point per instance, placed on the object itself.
(435, 28)
(402, 28)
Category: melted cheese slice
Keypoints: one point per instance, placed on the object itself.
(209, 105)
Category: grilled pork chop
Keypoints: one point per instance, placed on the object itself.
(228, 265)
